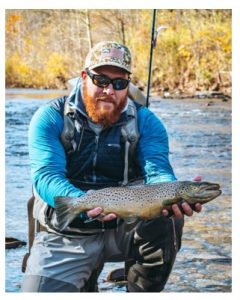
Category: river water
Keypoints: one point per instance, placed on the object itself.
(200, 144)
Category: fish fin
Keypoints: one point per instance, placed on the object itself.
(64, 211)
(130, 222)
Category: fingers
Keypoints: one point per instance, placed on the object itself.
(178, 211)
(94, 212)
(97, 211)
(198, 207)
(187, 210)
(108, 217)
(197, 178)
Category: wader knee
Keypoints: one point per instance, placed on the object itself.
(156, 243)
(145, 279)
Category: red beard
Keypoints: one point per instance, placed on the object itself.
(101, 116)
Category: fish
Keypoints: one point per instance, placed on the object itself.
(132, 203)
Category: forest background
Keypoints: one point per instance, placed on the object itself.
(46, 48)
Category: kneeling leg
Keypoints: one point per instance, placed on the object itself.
(155, 246)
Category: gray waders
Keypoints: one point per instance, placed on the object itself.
(152, 251)
(35, 227)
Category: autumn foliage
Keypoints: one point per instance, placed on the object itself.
(45, 48)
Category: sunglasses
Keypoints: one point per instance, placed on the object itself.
(103, 81)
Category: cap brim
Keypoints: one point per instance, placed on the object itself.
(109, 64)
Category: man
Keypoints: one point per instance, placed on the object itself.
(97, 137)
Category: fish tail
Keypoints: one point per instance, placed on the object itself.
(64, 211)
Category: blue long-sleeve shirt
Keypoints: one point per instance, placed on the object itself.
(48, 158)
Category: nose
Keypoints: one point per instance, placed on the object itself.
(108, 90)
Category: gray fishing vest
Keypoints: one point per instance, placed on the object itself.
(129, 131)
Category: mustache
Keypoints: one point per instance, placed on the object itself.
(105, 99)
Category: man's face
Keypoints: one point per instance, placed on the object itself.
(104, 105)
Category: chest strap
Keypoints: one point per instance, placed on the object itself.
(130, 135)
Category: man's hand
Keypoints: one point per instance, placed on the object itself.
(97, 211)
(185, 208)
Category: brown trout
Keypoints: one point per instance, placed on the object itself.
(136, 202)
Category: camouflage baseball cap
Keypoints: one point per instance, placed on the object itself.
(109, 54)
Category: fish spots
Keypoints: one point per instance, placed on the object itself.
(138, 200)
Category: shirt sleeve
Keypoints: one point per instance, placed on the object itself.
(153, 149)
(47, 156)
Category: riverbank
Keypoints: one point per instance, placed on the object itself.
(155, 93)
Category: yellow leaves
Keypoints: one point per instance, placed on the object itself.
(215, 37)
(224, 39)
(21, 73)
(185, 52)
(195, 46)
(16, 70)
(12, 23)
(56, 69)
(52, 44)
(56, 64)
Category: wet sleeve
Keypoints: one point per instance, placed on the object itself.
(153, 149)
(47, 156)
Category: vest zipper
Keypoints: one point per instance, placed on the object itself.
(95, 158)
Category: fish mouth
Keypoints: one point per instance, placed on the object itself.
(205, 193)
(211, 194)
(208, 192)
(211, 187)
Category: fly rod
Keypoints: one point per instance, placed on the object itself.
(155, 34)
(150, 57)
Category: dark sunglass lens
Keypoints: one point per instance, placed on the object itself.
(101, 81)
(104, 81)
(120, 84)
